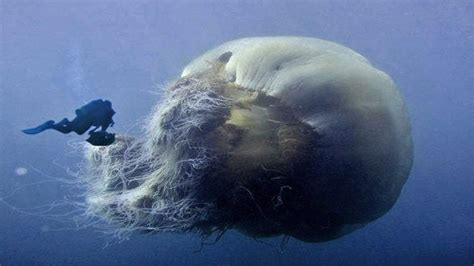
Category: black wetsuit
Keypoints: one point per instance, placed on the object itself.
(97, 113)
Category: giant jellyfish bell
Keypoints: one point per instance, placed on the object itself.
(268, 136)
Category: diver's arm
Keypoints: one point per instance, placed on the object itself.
(94, 129)
(104, 127)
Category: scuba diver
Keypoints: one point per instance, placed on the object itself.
(96, 114)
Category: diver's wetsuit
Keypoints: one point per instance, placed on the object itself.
(96, 114)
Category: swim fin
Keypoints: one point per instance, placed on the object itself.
(46, 125)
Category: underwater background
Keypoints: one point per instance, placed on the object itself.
(58, 55)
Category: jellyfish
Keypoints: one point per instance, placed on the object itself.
(268, 136)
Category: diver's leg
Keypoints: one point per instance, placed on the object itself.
(64, 126)
(81, 124)
(46, 125)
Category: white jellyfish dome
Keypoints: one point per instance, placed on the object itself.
(266, 135)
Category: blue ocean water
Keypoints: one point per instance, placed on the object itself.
(57, 55)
